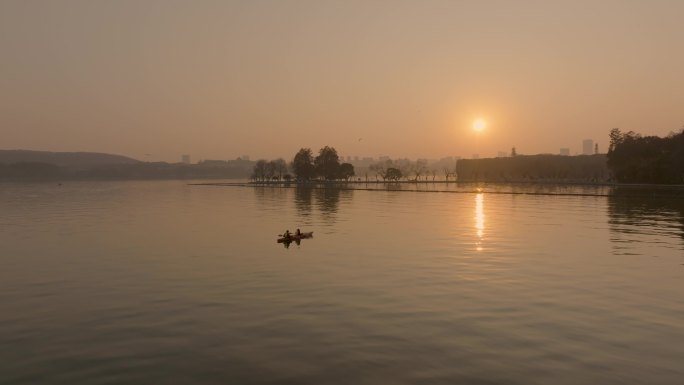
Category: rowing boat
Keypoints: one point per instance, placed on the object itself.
(295, 237)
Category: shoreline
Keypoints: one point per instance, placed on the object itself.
(600, 190)
(323, 184)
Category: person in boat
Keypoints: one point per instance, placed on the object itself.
(286, 234)
(298, 233)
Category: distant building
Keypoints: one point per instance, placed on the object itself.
(587, 147)
(244, 157)
(501, 154)
(476, 156)
(356, 159)
(383, 158)
(349, 158)
(565, 151)
(185, 159)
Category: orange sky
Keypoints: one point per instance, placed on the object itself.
(218, 79)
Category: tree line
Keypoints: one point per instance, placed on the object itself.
(305, 167)
(267, 170)
(633, 158)
(390, 170)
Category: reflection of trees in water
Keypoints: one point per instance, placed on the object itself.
(564, 189)
(303, 199)
(393, 186)
(645, 211)
(327, 200)
(270, 196)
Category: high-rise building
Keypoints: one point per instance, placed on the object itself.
(565, 151)
(185, 159)
(501, 154)
(587, 147)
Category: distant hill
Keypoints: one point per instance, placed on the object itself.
(70, 160)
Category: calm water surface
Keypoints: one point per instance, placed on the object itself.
(167, 283)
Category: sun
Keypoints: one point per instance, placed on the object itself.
(479, 125)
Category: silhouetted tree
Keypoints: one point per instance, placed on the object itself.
(393, 174)
(282, 166)
(327, 163)
(303, 166)
(418, 168)
(405, 166)
(346, 171)
(380, 168)
(448, 173)
(279, 168)
(271, 171)
(615, 138)
(649, 159)
(260, 170)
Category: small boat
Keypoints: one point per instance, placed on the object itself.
(295, 237)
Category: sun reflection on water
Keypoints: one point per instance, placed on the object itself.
(479, 220)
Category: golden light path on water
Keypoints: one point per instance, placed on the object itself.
(479, 219)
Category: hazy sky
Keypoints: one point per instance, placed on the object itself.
(218, 79)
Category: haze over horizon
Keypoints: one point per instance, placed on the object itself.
(405, 79)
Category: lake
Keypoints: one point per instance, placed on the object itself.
(163, 282)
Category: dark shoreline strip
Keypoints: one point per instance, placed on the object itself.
(637, 190)
(417, 190)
